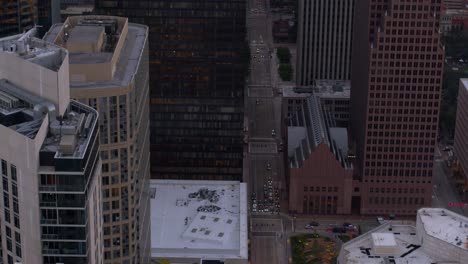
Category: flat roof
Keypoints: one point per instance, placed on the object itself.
(445, 225)
(127, 63)
(333, 89)
(384, 239)
(406, 243)
(84, 33)
(198, 219)
(34, 50)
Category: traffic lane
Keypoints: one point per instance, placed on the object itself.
(443, 192)
(263, 249)
(263, 123)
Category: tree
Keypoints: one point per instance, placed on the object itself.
(285, 71)
(283, 54)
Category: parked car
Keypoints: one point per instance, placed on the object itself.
(392, 217)
(338, 230)
(314, 223)
(308, 226)
(346, 224)
(380, 220)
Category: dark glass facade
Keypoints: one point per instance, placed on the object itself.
(17, 16)
(197, 78)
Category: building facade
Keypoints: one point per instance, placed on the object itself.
(437, 236)
(197, 84)
(395, 102)
(50, 165)
(461, 126)
(320, 175)
(324, 40)
(17, 16)
(109, 71)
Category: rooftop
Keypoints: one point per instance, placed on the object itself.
(332, 89)
(17, 109)
(198, 219)
(107, 44)
(445, 225)
(323, 88)
(68, 135)
(311, 126)
(34, 50)
(401, 239)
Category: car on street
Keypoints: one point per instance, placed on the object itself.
(346, 224)
(380, 220)
(308, 227)
(339, 230)
(313, 223)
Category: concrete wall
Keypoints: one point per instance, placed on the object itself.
(22, 152)
(40, 81)
(321, 169)
(439, 249)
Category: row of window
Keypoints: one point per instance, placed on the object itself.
(11, 242)
(396, 200)
(320, 189)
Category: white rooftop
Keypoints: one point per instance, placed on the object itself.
(198, 219)
(445, 225)
(384, 239)
(401, 237)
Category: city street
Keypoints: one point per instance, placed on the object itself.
(263, 163)
(443, 192)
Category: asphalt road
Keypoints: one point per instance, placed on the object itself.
(263, 159)
(443, 193)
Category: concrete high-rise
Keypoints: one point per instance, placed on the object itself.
(324, 40)
(109, 71)
(197, 82)
(395, 100)
(49, 159)
(17, 16)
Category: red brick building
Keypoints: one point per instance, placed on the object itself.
(395, 100)
(320, 176)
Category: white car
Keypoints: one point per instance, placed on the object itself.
(308, 226)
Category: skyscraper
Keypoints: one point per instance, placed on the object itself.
(17, 16)
(324, 40)
(395, 101)
(48, 14)
(109, 71)
(197, 81)
(50, 165)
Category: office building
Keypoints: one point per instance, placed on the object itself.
(324, 40)
(48, 14)
(439, 236)
(320, 174)
(395, 101)
(199, 222)
(461, 126)
(454, 4)
(198, 70)
(50, 165)
(109, 71)
(17, 16)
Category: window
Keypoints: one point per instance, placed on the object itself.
(13, 173)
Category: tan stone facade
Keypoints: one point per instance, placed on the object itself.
(112, 77)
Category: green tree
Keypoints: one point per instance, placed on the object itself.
(285, 71)
(283, 54)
